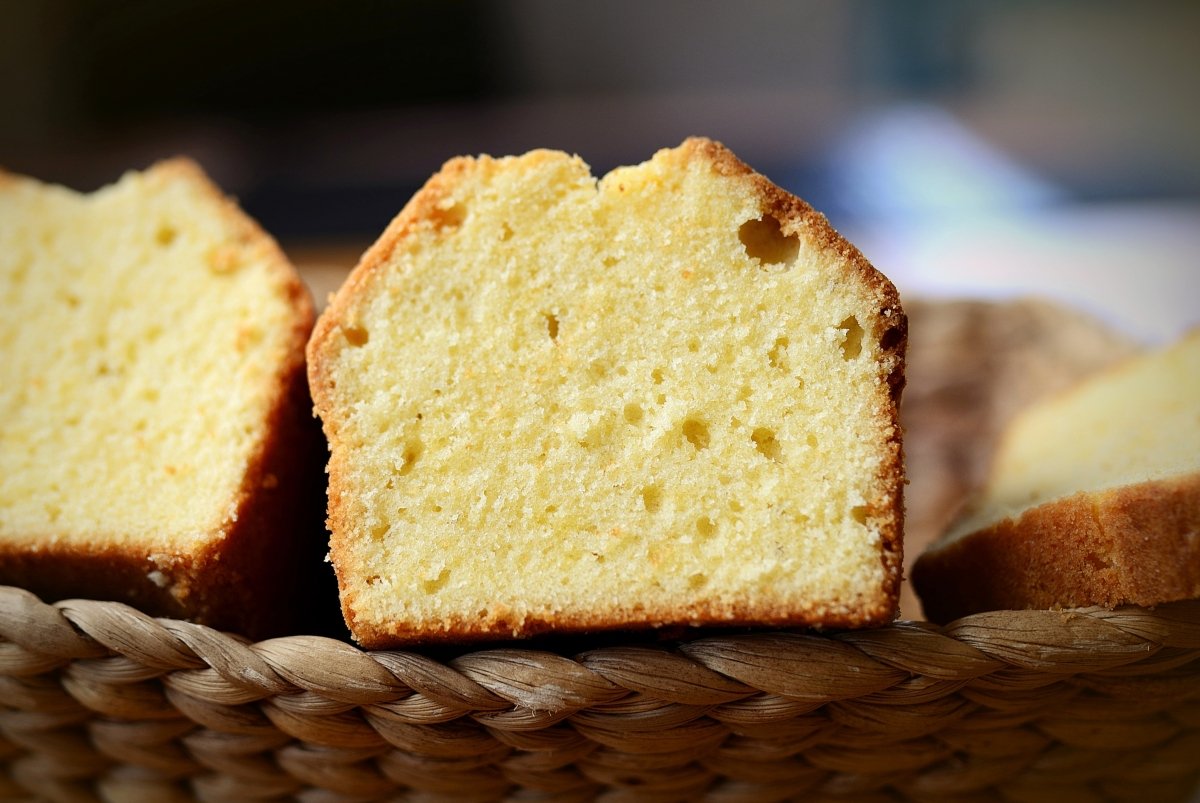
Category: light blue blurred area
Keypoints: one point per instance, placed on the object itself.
(917, 162)
(944, 213)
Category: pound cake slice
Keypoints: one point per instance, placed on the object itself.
(156, 440)
(666, 397)
(1093, 498)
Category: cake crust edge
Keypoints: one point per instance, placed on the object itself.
(1134, 544)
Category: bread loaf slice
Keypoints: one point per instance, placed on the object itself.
(155, 435)
(1093, 498)
(556, 403)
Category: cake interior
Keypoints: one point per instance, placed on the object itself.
(635, 399)
(144, 328)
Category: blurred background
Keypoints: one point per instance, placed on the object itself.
(971, 149)
(977, 147)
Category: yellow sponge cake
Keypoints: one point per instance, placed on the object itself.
(665, 397)
(153, 440)
(1093, 498)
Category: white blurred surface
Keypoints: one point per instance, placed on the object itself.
(1134, 266)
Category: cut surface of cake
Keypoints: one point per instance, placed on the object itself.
(153, 432)
(1093, 498)
(557, 403)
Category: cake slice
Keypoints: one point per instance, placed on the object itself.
(1093, 498)
(667, 397)
(973, 365)
(155, 436)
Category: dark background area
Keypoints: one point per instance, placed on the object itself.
(323, 117)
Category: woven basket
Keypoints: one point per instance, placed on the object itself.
(100, 702)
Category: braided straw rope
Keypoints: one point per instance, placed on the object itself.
(100, 702)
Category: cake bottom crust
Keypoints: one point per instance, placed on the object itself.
(1137, 544)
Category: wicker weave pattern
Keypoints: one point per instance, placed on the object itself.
(98, 701)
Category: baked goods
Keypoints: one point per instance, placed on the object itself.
(156, 443)
(972, 366)
(1093, 499)
(556, 403)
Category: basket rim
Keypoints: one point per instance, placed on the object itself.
(801, 666)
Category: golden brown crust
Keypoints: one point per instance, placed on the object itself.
(500, 624)
(255, 575)
(1136, 544)
(424, 214)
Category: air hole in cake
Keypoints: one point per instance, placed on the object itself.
(633, 413)
(652, 498)
(355, 335)
(379, 530)
(450, 216)
(693, 344)
(735, 506)
(766, 242)
(890, 339)
(777, 356)
(551, 324)
(697, 581)
(705, 527)
(696, 432)
(657, 376)
(165, 235)
(506, 232)
(1098, 562)
(610, 262)
(811, 440)
(766, 443)
(852, 341)
(859, 513)
(412, 453)
(437, 583)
